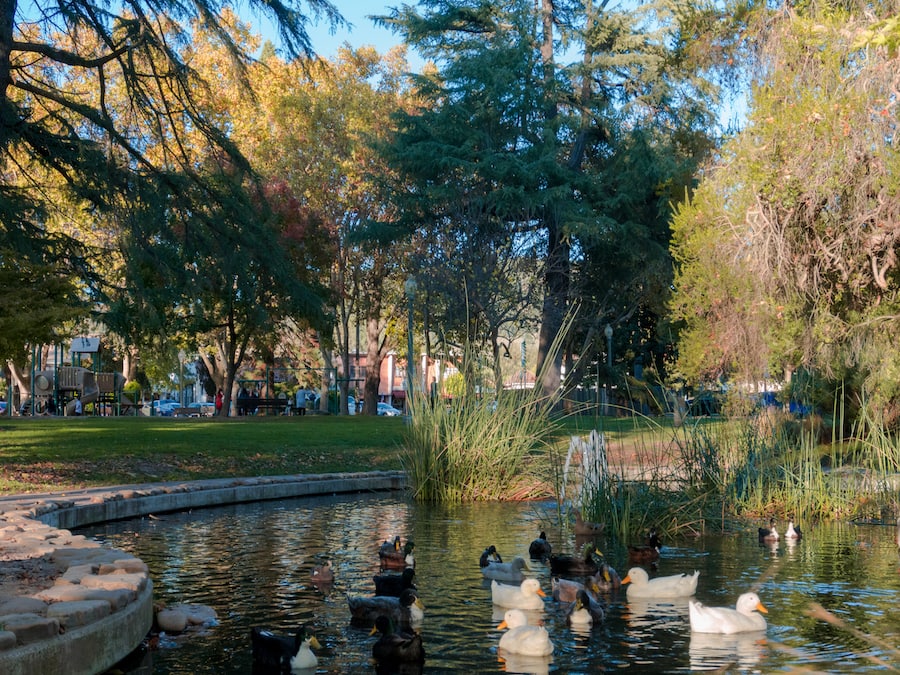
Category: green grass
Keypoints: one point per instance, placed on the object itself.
(41, 454)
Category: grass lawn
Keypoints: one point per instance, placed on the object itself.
(62, 453)
(43, 454)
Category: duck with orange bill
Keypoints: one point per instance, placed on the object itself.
(744, 618)
(640, 585)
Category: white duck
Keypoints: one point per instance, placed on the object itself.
(526, 595)
(522, 638)
(792, 532)
(725, 620)
(674, 586)
(505, 571)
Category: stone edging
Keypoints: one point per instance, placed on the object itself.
(97, 603)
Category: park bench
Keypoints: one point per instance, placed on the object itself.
(186, 412)
(277, 406)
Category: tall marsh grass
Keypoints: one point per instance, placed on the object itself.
(472, 450)
(719, 473)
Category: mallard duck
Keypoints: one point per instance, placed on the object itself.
(584, 611)
(393, 556)
(509, 571)
(540, 548)
(769, 534)
(396, 646)
(526, 595)
(322, 574)
(744, 618)
(489, 555)
(565, 590)
(391, 583)
(647, 552)
(586, 528)
(520, 638)
(406, 611)
(792, 531)
(606, 578)
(576, 565)
(674, 586)
(284, 652)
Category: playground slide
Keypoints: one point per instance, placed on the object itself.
(90, 392)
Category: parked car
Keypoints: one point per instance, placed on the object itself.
(202, 408)
(388, 410)
(164, 407)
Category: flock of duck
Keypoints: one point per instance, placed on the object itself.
(396, 614)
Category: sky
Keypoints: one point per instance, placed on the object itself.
(362, 31)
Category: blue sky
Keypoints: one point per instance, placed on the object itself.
(362, 31)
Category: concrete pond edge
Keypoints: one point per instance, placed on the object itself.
(97, 606)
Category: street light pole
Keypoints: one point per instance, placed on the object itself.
(410, 288)
(608, 331)
(181, 357)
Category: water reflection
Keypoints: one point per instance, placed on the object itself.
(253, 564)
(714, 652)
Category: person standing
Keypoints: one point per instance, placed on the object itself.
(301, 402)
(78, 409)
(220, 399)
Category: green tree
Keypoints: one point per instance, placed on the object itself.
(788, 252)
(101, 98)
(519, 142)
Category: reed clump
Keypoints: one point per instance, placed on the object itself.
(477, 450)
(717, 473)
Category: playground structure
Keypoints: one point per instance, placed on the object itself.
(65, 384)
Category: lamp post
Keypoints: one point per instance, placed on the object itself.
(608, 331)
(410, 288)
(181, 357)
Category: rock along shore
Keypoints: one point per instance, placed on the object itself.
(71, 606)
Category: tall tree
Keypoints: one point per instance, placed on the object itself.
(526, 139)
(788, 252)
(60, 115)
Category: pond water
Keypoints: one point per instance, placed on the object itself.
(252, 564)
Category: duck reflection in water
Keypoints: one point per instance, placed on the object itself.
(742, 651)
(645, 614)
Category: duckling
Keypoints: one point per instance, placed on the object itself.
(527, 595)
(648, 552)
(571, 565)
(770, 534)
(510, 572)
(394, 557)
(396, 646)
(674, 586)
(520, 638)
(406, 611)
(586, 528)
(391, 583)
(540, 548)
(585, 611)
(742, 619)
(283, 652)
(793, 532)
(489, 555)
(323, 574)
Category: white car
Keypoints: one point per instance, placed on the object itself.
(388, 410)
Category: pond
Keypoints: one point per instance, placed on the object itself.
(252, 564)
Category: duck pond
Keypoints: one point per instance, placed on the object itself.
(252, 563)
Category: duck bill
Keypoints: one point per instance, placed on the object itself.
(502, 625)
(419, 604)
(626, 580)
(541, 593)
(762, 609)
